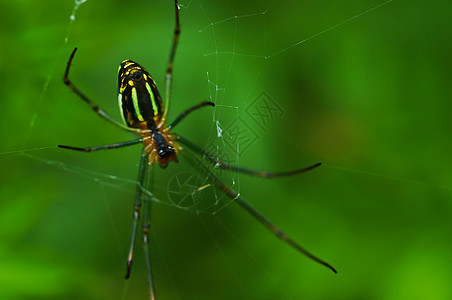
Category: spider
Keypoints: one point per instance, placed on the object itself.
(143, 114)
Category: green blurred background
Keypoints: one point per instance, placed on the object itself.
(369, 98)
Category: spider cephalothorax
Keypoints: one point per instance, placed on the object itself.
(160, 146)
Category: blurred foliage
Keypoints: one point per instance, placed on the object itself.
(370, 98)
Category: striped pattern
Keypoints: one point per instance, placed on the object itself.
(138, 97)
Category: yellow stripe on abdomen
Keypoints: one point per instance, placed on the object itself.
(135, 104)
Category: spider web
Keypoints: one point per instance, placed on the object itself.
(252, 59)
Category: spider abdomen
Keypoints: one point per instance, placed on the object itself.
(138, 96)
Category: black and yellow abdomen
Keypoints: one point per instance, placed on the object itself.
(138, 97)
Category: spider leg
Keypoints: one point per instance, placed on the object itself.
(142, 197)
(104, 147)
(169, 68)
(225, 166)
(93, 105)
(146, 227)
(188, 111)
(270, 226)
(197, 164)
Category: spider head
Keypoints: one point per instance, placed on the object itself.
(161, 146)
(166, 154)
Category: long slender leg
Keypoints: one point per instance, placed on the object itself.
(270, 226)
(139, 195)
(197, 164)
(145, 233)
(188, 111)
(93, 105)
(104, 147)
(169, 68)
(225, 166)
